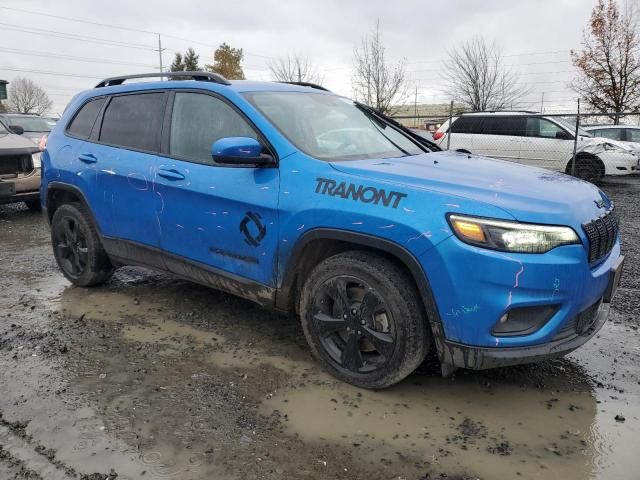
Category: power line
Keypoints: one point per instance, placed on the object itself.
(74, 58)
(44, 72)
(74, 36)
(88, 22)
(107, 25)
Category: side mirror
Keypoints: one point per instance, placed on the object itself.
(17, 129)
(562, 135)
(239, 151)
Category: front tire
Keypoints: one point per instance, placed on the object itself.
(363, 319)
(34, 205)
(588, 168)
(77, 247)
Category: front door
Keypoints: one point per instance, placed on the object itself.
(219, 216)
(547, 144)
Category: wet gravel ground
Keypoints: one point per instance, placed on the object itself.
(149, 377)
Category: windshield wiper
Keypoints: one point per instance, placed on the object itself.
(423, 142)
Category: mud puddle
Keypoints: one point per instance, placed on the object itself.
(526, 421)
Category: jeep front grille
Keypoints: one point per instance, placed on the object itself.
(602, 233)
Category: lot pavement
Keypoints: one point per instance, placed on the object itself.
(151, 377)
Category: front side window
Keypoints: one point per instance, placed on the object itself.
(611, 133)
(198, 121)
(134, 121)
(82, 123)
(540, 127)
(332, 128)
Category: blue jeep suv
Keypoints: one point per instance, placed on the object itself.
(310, 203)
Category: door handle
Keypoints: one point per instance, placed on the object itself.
(87, 158)
(170, 174)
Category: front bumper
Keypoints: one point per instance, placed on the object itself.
(477, 358)
(619, 163)
(20, 188)
(473, 288)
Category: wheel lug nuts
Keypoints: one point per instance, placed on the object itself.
(344, 316)
(359, 332)
(353, 311)
(362, 322)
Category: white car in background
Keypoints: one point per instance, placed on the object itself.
(627, 134)
(537, 140)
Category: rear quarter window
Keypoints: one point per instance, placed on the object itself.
(83, 122)
(470, 124)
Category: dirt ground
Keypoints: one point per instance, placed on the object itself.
(149, 377)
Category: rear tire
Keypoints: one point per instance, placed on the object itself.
(77, 247)
(364, 320)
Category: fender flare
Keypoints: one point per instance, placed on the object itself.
(287, 287)
(66, 187)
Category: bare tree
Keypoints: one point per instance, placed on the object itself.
(295, 68)
(27, 97)
(608, 65)
(376, 82)
(478, 79)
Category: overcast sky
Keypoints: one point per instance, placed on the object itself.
(534, 35)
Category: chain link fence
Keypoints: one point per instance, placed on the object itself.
(586, 145)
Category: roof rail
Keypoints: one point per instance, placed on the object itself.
(200, 76)
(308, 84)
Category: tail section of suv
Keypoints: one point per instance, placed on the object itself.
(309, 203)
(537, 140)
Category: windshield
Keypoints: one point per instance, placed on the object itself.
(332, 128)
(32, 124)
(572, 127)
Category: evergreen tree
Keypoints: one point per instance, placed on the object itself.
(227, 62)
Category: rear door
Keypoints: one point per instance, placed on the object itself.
(547, 144)
(500, 137)
(218, 216)
(123, 151)
(461, 135)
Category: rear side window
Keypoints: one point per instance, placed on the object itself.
(82, 123)
(198, 120)
(470, 124)
(134, 121)
(499, 125)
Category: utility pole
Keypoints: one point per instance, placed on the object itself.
(542, 103)
(575, 142)
(415, 108)
(160, 50)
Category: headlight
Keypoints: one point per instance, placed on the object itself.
(511, 236)
(35, 159)
(610, 147)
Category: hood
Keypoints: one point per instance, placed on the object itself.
(10, 142)
(528, 194)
